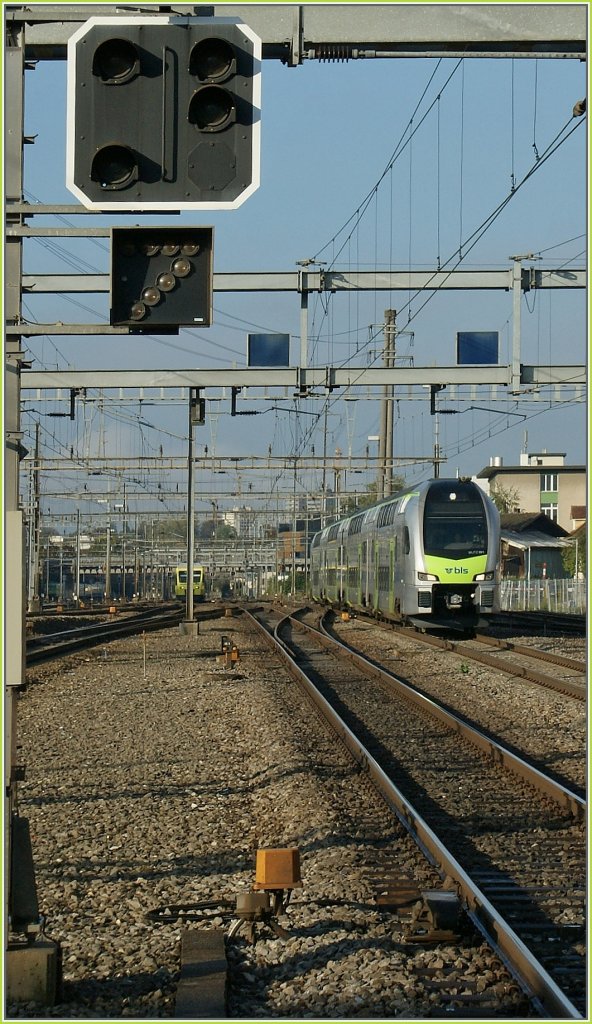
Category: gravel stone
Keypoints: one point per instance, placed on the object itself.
(147, 793)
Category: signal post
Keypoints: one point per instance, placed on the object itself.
(163, 114)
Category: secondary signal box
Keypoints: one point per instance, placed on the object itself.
(161, 278)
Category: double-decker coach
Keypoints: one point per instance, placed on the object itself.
(428, 555)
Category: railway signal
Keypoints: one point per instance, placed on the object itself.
(163, 113)
(161, 277)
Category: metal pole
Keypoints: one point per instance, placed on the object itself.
(151, 584)
(136, 560)
(20, 895)
(293, 588)
(385, 444)
(77, 584)
(190, 509)
(516, 312)
(108, 564)
(123, 529)
(123, 594)
(389, 342)
(382, 431)
(303, 319)
(30, 543)
(324, 475)
(34, 528)
(277, 540)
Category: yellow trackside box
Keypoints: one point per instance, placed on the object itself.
(278, 869)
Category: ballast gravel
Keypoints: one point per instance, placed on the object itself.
(546, 726)
(151, 790)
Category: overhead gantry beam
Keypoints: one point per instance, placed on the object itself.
(294, 33)
(336, 281)
(321, 379)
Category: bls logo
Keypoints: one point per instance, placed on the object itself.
(457, 571)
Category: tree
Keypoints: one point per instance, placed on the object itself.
(211, 529)
(360, 501)
(574, 557)
(505, 499)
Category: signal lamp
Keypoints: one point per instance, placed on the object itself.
(138, 311)
(116, 61)
(151, 296)
(181, 267)
(166, 282)
(212, 60)
(114, 167)
(211, 109)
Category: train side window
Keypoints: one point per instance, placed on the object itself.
(406, 541)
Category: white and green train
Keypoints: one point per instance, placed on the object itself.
(428, 555)
(199, 583)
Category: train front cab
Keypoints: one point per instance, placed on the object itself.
(457, 543)
(199, 587)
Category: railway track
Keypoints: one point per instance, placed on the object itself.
(58, 644)
(64, 611)
(516, 659)
(543, 623)
(537, 723)
(516, 855)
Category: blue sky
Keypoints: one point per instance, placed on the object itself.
(328, 133)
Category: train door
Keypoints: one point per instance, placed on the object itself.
(392, 566)
(399, 568)
(368, 569)
(376, 575)
(359, 579)
(341, 583)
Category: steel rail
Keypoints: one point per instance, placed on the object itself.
(494, 750)
(573, 623)
(55, 645)
(527, 970)
(531, 652)
(566, 686)
(533, 977)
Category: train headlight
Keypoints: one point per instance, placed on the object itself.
(484, 576)
(427, 577)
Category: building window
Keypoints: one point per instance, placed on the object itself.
(550, 510)
(549, 483)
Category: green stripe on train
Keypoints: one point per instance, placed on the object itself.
(449, 570)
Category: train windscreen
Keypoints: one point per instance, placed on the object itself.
(197, 575)
(454, 525)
